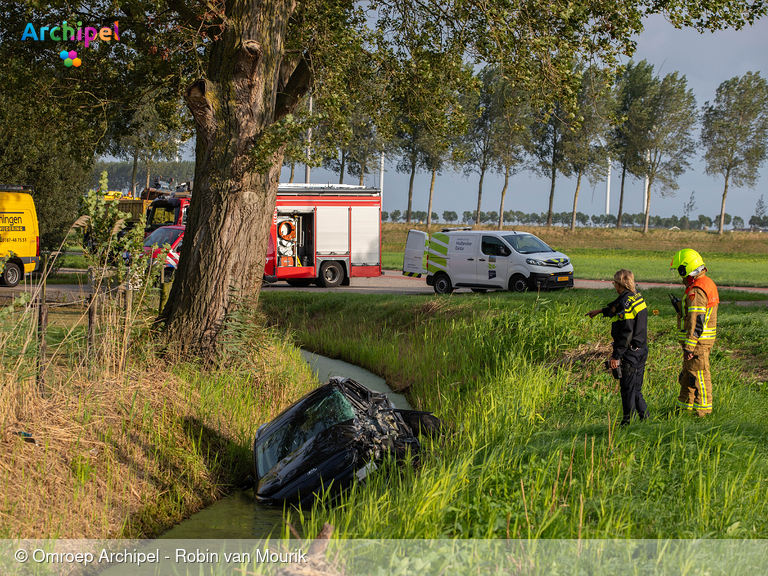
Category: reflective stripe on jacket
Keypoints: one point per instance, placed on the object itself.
(629, 327)
(699, 315)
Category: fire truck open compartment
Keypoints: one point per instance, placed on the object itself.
(295, 240)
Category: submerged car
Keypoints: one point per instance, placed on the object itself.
(331, 436)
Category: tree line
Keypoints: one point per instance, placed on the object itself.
(637, 121)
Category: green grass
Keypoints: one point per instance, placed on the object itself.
(533, 449)
(748, 270)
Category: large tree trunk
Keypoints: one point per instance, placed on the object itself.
(575, 200)
(503, 194)
(722, 206)
(621, 195)
(410, 188)
(250, 85)
(431, 192)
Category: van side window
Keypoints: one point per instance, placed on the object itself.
(493, 246)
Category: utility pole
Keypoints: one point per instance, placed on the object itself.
(381, 178)
(309, 143)
(608, 190)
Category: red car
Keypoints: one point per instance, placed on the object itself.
(171, 235)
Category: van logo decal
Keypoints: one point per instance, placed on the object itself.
(491, 274)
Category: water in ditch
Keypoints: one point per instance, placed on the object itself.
(239, 516)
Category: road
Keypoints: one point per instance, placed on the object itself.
(391, 282)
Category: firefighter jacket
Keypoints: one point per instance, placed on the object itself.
(629, 327)
(699, 315)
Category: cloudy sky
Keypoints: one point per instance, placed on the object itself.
(705, 59)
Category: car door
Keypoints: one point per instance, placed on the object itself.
(493, 262)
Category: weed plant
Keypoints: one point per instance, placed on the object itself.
(533, 447)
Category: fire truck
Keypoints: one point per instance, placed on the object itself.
(324, 234)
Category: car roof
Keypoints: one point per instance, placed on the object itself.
(488, 232)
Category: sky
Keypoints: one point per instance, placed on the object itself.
(706, 60)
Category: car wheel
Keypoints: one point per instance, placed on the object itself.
(518, 283)
(331, 274)
(479, 290)
(300, 282)
(443, 284)
(11, 274)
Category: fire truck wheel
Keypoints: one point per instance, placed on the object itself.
(443, 284)
(300, 282)
(331, 274)
(11, 275)
(518, 283)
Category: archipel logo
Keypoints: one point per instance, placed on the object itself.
(66, 33)
(70, 58)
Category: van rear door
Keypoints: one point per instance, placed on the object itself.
(413, 259)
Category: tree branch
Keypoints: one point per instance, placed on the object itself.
(295, 78)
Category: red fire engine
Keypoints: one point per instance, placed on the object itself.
(324, 234)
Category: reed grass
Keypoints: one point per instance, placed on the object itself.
(126, 443)
(533, 448)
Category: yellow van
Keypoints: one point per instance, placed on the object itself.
(19, 233)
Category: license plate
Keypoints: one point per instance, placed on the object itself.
(562, 278)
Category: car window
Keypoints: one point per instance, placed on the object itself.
(493, 246)
(163, 236)
(303, 426)
(527, 243)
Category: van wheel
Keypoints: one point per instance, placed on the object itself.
(11, 275)
(518, 283)
(443, 284)
(300, 282)
(331, 274)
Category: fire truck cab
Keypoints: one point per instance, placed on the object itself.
(324, 234)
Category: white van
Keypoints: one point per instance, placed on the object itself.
(486, 260)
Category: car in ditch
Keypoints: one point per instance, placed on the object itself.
(331, 437)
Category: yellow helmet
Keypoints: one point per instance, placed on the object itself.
(687, 262)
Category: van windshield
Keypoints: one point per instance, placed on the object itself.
(527, 244)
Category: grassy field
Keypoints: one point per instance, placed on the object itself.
(129, 452)
(533, 448)
(736, 259)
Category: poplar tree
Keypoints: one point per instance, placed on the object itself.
(669, 145)
(735, 133)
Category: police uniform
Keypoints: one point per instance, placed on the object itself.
(697, 336)
(629, 330)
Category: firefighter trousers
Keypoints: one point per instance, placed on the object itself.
(696, 384)
(631, 385)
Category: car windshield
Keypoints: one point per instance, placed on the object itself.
(304, 425)
(163, 236)
(527, 244)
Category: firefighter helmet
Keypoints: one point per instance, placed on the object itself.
(687, 262)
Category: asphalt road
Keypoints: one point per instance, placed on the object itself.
(391, 282)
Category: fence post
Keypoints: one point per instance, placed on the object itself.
(42, 325)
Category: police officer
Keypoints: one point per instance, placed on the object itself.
(629, 330)
(698, 331)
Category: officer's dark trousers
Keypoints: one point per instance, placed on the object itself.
(631, 384)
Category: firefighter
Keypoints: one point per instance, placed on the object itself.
(698, 331)
(629, 330)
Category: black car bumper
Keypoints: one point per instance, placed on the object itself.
(551, 281)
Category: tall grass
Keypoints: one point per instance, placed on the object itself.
(533, 448)
(126, 443)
